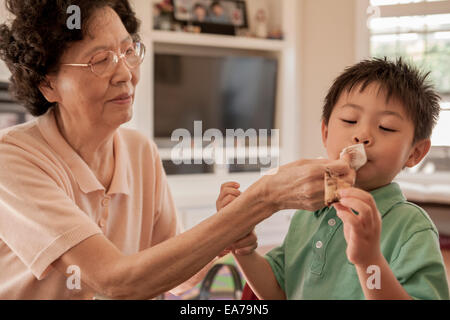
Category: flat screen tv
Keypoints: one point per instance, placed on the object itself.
(233, 92)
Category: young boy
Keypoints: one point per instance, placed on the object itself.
(373, 244)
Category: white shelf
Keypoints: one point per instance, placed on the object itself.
(216, 41)
(239, 153)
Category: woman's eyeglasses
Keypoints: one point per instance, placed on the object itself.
(105, 62)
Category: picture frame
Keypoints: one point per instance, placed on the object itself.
(212, 16)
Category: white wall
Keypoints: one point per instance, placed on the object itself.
(327, 46)
(144, 91)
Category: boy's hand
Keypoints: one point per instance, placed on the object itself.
(362, 231)
(245, 246)
(228, 192)
(242, 247)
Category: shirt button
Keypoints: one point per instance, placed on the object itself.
(331, 222)
(105, 202)
(319, 244)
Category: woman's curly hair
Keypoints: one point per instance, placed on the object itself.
(33, 43)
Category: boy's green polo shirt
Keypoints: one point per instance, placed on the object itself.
(312, 264)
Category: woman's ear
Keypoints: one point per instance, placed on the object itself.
(48, 90)
(418, 152)
(324, 133)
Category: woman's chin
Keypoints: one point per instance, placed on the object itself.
(121, 116)
(128, 116)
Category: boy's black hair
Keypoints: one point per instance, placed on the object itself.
(397, 79)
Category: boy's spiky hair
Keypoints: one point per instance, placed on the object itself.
(397, 79)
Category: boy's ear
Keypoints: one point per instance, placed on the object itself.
(324, 133)
(418, 152)
(48, 90)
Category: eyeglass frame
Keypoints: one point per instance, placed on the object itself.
(116, 59)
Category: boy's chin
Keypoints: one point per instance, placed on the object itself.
(370, 177)
(368, 183)
(367, 179)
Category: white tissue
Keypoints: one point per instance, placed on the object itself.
(358, 157)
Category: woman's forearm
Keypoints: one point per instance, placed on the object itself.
(260, 276)
(146, 274)
(158, 269)
(194, 280)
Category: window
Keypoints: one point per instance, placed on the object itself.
(419, 30)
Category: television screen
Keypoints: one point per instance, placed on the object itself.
(237, 92)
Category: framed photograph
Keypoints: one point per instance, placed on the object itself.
(226, 13)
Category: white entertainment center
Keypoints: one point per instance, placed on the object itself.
(195, 195)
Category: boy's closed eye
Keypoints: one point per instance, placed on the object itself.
(387, 129)
(349, 121)
(384, 128)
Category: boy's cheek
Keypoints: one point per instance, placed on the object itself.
(336, 140)
(331, 153)
(334, 149)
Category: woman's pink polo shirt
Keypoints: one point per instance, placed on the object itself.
(50, 201)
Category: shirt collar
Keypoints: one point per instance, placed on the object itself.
(86, 179)
(388, 196)
(385, 198)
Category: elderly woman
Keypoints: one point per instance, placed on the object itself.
(78, 191)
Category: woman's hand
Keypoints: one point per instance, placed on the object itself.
(245, 246)
(300, 185)
(361, 231)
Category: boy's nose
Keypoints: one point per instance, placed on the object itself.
(367, 141)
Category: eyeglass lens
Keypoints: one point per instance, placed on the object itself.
(105, 61)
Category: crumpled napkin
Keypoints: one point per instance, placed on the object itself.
(356, 156)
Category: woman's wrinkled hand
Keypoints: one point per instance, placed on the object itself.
(300, 184)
